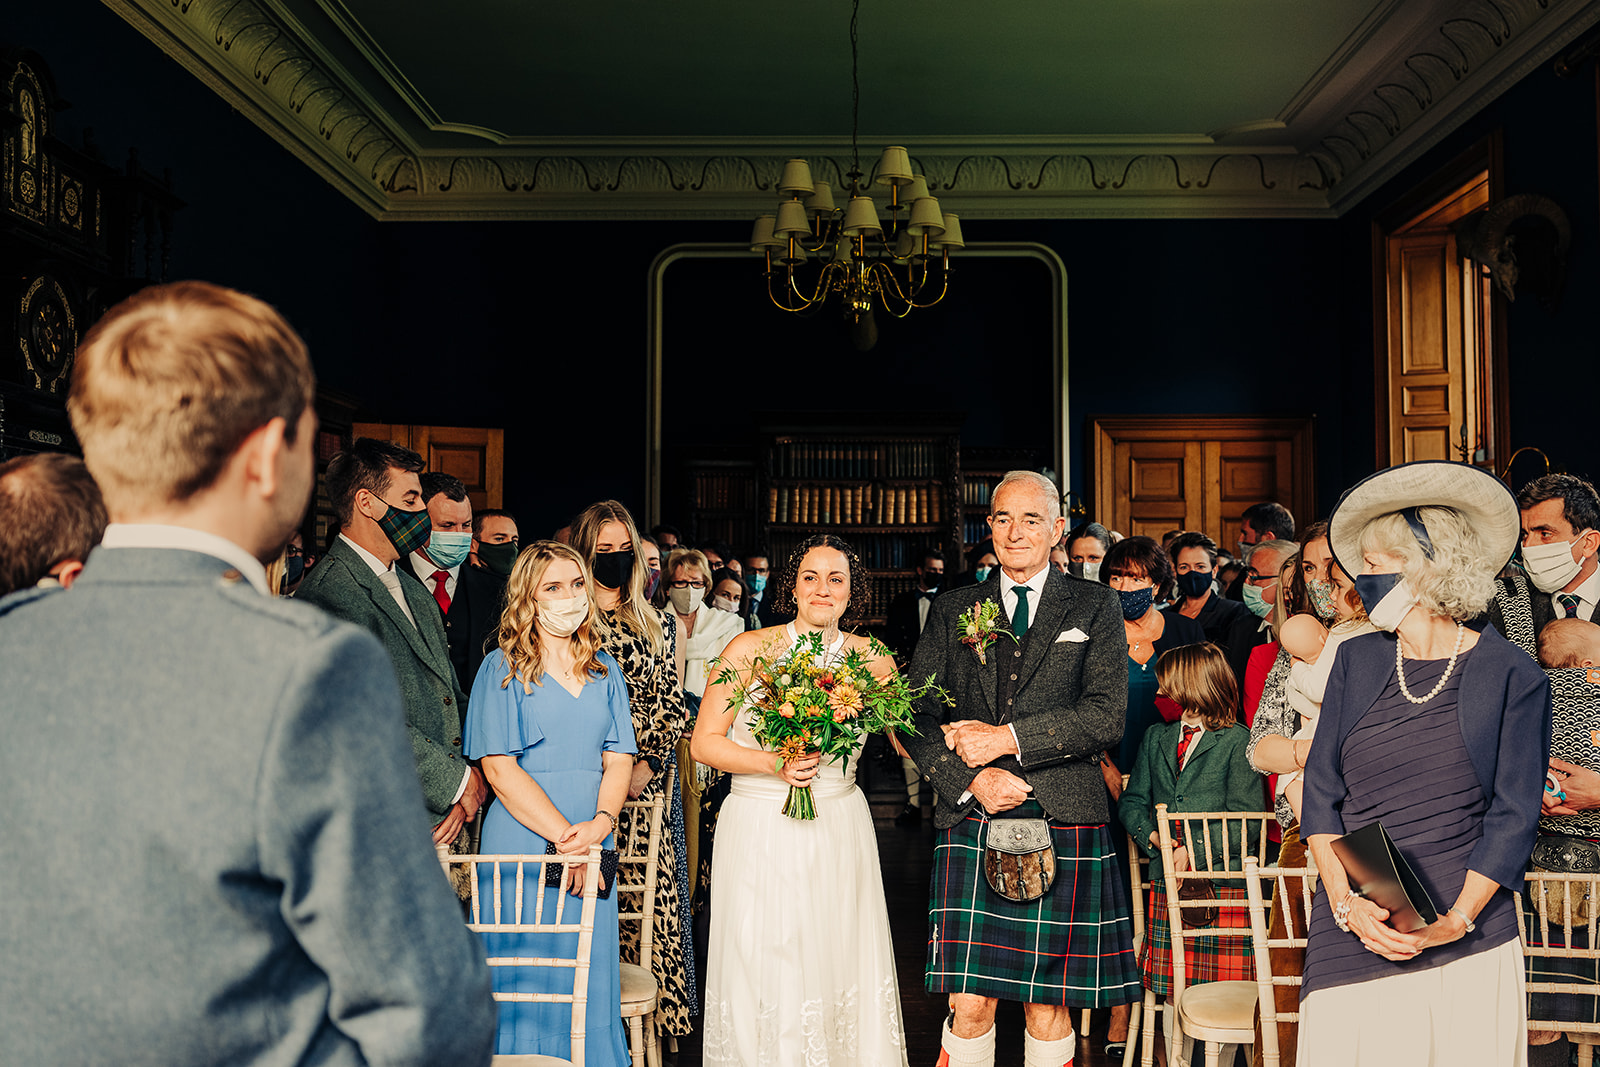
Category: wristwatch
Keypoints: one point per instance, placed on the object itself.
(1471, 926)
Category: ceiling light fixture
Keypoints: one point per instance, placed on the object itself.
(861, 260)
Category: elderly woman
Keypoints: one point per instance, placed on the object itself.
(1439, 734)
(706, 630)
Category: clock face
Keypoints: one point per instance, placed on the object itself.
(47, 334)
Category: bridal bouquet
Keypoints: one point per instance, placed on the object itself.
(802, 700)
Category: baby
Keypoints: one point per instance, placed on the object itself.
(1305, 639)
(1569, 643)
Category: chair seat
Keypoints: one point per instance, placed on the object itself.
(529, 1060)
(639, 990)
(1225, 1009)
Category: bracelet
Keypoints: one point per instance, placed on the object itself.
(1294, 746)
(1341, 910)
(1471, 926)
(613, 819)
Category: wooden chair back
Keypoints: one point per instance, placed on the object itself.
(638, 840)
(1289, 883)
(508, 897)
(1559, 919)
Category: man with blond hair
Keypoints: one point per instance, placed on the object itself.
(210, 806)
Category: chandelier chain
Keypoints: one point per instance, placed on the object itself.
(855, 91)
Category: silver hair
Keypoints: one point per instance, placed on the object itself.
(1285, 549)
(1038, 482)
(1457, 581)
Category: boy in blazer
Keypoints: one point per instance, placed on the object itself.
(1030, 720)
(210, 814)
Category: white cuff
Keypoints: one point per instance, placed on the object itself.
(462, 788)
(1015, 743)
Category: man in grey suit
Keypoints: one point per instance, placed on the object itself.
(377, 496)
(1032, 715)
(210, 817)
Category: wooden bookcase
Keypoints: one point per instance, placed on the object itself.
(723, 503)
(888, 489)
(981, 471)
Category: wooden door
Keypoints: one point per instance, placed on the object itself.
(1197, 473)
(476, 456)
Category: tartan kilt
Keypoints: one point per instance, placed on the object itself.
(1071, 948)
(1205, 959)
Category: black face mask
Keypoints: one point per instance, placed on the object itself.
(293, 568)
(613, 569)
(1194, 584)
(498, 559)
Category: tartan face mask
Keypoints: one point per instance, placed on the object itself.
(407, 531)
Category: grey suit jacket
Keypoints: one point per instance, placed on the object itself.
(344, 585)
(211, 835)
(1071, 696)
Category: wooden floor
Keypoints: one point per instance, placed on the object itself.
(907, 857)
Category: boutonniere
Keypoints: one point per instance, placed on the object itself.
(978, 630)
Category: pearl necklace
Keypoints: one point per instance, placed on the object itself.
(1400, 672)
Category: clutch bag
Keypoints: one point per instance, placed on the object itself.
(1377, 867)
(608, 870)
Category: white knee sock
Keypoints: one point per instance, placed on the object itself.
(1036, 1052)
(966, 1051)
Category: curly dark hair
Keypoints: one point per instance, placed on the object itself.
(860, 603)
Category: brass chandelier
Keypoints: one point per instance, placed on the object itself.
(898, 267)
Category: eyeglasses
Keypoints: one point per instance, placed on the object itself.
(682, 584)
(1257, 578)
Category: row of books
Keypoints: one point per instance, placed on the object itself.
(978, 490)
(724, 491)
(878, 552)
(887, 459)
(974, 528)
(856, 505)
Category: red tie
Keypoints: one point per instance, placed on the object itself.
(1183, 743)
(442, 595)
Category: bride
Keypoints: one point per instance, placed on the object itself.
(800, 968)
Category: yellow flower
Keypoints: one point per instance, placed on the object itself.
(845, 701)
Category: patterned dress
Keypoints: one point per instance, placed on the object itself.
(658, 723)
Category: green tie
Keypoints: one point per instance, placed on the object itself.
(1019, 619)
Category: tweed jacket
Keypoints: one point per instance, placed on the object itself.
(343, 585)
(1504, 711)
(1071, 695)
(1215, 777)
(473, 621)
(211, 824)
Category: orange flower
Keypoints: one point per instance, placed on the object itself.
(845, 701)
(787, 710)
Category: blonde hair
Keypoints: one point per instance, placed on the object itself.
(1458, 582)
(1568, 642)
(634, 611)
(1197, 678)
(172, 380)
(519, 639)
(686, 557)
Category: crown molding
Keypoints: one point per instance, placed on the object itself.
(399, 162)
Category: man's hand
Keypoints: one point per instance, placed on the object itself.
(450, 826)
(1581, 786)
(999, 790)
(977, 743)
(641, 778)
(476, 793)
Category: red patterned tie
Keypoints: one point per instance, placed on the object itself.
(442, 595)
(1183, 743)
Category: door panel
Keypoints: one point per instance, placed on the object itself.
(1197, 473)
(476, 456)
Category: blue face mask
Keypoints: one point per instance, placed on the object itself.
(449, 549)
(757, 583)
(981, 574)
(1254, 600)
(1135, 602)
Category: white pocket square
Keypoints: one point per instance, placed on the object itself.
(1073, 634)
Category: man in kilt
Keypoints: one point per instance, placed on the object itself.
(1039, 693)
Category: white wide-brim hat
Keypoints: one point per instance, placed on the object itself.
(1487, 503)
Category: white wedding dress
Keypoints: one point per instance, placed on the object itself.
(800, 969)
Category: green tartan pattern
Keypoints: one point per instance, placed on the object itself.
(1562, 1007)
(1072, 948)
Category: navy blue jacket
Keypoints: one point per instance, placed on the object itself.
(1504, 709)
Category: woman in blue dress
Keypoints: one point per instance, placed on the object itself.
(549, 719)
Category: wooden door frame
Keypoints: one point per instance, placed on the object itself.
(1108, 430)
(1488, 155)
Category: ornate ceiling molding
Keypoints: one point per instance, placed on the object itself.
(1335, 149)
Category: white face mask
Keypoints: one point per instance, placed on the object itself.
(561, 617)
(1393, 608)
(1550, 567)
(686, 601)
(722, 603)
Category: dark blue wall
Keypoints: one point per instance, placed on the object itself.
(541, 327)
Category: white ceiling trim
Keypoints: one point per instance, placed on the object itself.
(259, 57)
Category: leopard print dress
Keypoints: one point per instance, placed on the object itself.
(659, 719)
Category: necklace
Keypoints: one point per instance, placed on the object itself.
(1400, 672)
